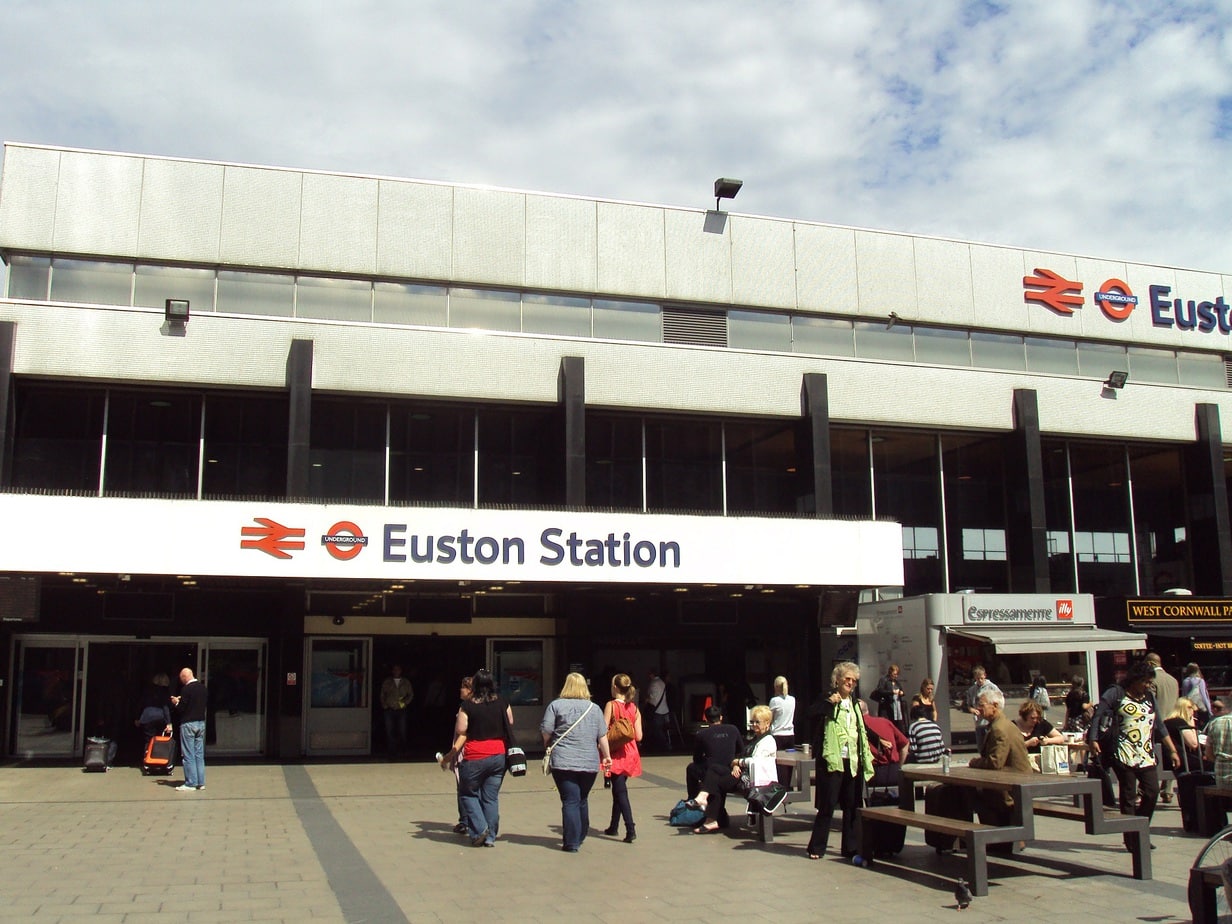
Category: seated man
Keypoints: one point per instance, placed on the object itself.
(1003, 749)
(925, 737)
(716, 744)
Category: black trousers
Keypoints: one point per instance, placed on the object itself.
(837, 790)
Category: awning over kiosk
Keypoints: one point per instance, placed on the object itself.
(1034, 639)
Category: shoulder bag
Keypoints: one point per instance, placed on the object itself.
(621, 730)
(547, 754)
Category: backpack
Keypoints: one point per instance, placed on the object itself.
(682, 816)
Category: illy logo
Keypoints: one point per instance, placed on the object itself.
(1065, 609)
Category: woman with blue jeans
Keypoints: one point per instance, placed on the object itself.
(480, 733)
(574, 729)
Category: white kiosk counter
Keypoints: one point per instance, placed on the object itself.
(1014, 636)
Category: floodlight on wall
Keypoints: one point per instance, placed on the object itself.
(176, 312)
(725, 188)
(1116, 380)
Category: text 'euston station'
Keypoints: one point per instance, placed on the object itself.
(610, 551)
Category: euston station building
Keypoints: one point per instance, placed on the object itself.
(292, 428)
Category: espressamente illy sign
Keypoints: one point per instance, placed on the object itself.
(127, 535)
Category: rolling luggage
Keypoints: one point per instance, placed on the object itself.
(160, 755)
(888, 839)
(99, 755)
(948, 802)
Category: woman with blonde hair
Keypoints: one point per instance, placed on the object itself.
(783, 710)
(626, 757)
(573, 728)
(759, 765)
(1184, 733)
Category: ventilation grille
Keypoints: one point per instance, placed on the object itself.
(1227, 371)
(698, 328)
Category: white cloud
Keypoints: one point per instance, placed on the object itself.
(1095, 126)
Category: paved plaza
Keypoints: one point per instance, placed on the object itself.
(373, 842)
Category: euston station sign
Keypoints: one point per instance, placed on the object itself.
(1117, 302)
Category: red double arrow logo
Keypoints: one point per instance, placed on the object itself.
(272, 538)
(1060, 294)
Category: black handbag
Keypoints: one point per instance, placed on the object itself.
(515, 757)
(767, 798)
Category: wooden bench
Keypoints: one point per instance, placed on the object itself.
(798, 778)
(1204, 885)
(1137, 828)
(1206, 795)
(976, 836)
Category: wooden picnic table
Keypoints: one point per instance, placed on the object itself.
(1028, 790)
(796, 773)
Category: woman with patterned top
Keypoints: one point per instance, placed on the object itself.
(626, 758)
(1135, 741)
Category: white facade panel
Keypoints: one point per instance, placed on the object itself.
(944, 284)
(181, 211)
(826, 279)
(338, 224)
(885, 264)
(699, 257)
(28, 197)
(561, 244)
(631, 250)
(261, 217)
(996, 287)
(98, 204)
(489, 237)
(763, 262)
(415, 230)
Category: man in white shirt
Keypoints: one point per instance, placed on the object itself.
(656, 704)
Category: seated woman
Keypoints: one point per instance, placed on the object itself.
(926, 697)
(1036, 730)
(1184, 733)
(759, 765)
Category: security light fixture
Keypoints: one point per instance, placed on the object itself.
(176, 312)
(1116, 380)
(725, 188)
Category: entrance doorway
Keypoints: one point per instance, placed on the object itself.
(117, 675)
(434, 665)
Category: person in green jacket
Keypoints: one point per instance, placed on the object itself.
(844, 761)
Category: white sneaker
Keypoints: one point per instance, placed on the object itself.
(184, 787)
(201, 787)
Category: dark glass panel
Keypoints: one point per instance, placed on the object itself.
(57, 437)
(683, 465)
(1061, 572)
(613, 462)
(245, 446)
(1101, 519)
(347, 450)
(975, 514)
(763, 468)
(851, 473)
(432, 455)
(907, 487)
(522, 457)
(1160, 519)
(153, 442)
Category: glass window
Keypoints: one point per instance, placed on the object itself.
(1046, 354)
(921, 542)
(521, 457)
(57, 437)
(338, 674)
(28, 277)
(245, 446)
(983, 545)
(1061, 574)
(153, 443)
(875, 341)
(906, 484)
(333, 299)
(554, 314)
(155, 284)
(852, 473)
(942, 345)
(432, 455)
(483, 309)
(765, 471)
(975, 512)
(684, 465)
(755, 330)
(1146, 365)
(1160, 518)
(1101, 519)
(822, 336)
(517, 667)
(1202, 370)
(256, 293)
(395, 303)
(1098, 359)
(613, 462)
(91, 283)
(347, 451)
(997, 351)
(641, 321)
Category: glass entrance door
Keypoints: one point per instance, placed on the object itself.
(46, 702)
(236, 682)
(338, 716)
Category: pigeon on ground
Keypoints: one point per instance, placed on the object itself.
(962, 895)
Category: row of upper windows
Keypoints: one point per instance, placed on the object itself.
(360, 301)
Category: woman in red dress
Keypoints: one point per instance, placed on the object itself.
(626, 758)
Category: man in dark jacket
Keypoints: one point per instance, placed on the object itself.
(716, 744)
(191, 705)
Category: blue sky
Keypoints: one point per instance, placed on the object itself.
(1097, 127)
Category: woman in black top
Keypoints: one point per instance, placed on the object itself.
(480, 733)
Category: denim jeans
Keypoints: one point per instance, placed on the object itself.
(574, 786)
(479, 783)
(192, 743)
(395, 732)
